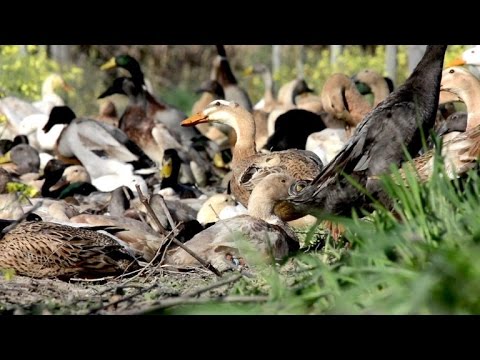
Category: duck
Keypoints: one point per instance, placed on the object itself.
(153, 138)
(292, 129)
(40, 249)
(470, 57)
(454, 124)
(341, 98)
(135, 235)
(260, 228)
(210, 90)
(72, 178)
(16, 109)
(249, 166)
(84, 138)
(286, 100)
(213, 206)
(140, 128)
(268, 102)
(222, 72)
(169, 176)
(161, 112)
(461, 150)
(21, 159)
(378, 143)
(374, 83)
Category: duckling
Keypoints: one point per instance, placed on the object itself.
(212, 207)
(42, 249)
(378, 143)
(248, 166)
(261, 229)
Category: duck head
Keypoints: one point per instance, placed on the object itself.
(59, 115)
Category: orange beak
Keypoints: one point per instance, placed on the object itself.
(195, 119)
(456, 62)
(67, 87)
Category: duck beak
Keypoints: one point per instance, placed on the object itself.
(195, 119)
(167, 169)
(6, 158)
(248, 71)
(110, 64)
(106, 93)
(67, 87)
(456, 62)
(446, 97)
(59, 184)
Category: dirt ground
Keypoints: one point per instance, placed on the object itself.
(135, 295)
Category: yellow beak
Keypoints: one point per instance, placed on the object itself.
(110, 64)
(248, 71)
(167, 169)
(6, 158)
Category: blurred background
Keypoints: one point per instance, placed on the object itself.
(175, 71)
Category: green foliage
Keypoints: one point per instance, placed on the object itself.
(422, 260)
(22, 73)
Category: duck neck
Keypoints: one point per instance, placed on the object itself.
(380, 91)
(244, 127)
(223, 73)
(425, 80)
(470, 96)
(268, 82)
(357, 105)
(261, 208)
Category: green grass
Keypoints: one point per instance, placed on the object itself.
(424, 260)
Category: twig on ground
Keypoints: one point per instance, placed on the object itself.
(207, 265)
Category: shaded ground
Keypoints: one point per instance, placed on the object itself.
(23, 295)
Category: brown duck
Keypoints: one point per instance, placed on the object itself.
(248, 166)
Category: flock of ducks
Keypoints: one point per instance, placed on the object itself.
(232, 176)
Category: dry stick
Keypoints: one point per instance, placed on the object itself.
(197, 301)
(142, 270)
(207, 265)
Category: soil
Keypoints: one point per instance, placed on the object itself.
(22, 295)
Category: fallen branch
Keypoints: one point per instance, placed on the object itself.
(166, 211)
(204, 263)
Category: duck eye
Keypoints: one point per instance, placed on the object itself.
(217, 103)
(451, 71)
(473, 51)
(283, 181)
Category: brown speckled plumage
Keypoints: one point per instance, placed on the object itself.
(42, 249)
